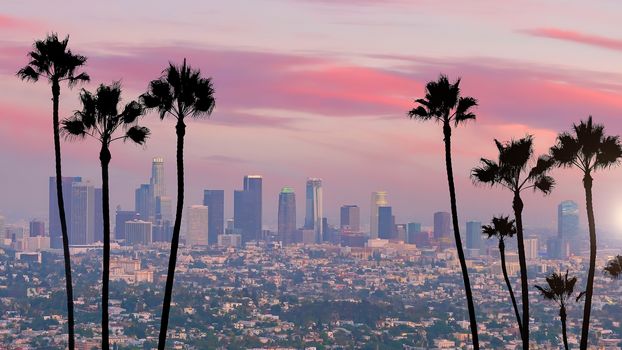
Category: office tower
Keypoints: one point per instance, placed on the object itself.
(568, 225)
(401, 232)
(138, 232)
(121, 217)
(82, 214)
(473, 235)
(350, 218)
(157, 177)
(378, 199)
(442, 226)
(98, 219)
(144, 202)
(557, 248)
(386, 222)
(37, 228)
(287, 215)
(164, 209)
(198, 225)
(531, 248)
(314, 210)
(247, 208)
(56, 234)
(215, 201)
(413, 229)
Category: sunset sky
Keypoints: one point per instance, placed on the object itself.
(309, 88)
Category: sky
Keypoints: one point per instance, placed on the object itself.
(320, 88)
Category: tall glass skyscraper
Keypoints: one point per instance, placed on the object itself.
(314, 211)
(215, 201)
(145, 202)
(247, 208)
(56, 235)
(350, 218)
(568, 225)
(386, 222)
(157, 177)
(378, 199)
(473, 235)
(82, 214)
(442, 226)
(198, 225)
(287, 215)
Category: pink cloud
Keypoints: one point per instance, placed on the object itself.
(577, 37)
(13, 23)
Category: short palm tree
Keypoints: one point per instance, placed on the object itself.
(180, 92)
(100, 119)
(588, 149)
(614, 267)
(559, 288)
(50, 59)
(444, 104)
(501, 228)
(515, 171)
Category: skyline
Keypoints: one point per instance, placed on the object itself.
(284, 103)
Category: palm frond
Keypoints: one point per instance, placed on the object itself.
(138, 134)
(486, 173)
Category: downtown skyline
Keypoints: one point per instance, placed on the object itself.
(318, 87)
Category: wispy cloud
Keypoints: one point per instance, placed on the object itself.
(577, 37)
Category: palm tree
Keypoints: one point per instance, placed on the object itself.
(180, 92)
(100, 119)
(559, 289)
(514, 171)
(444, 104)
(52, 60)
(614, 267)
(588, 149)
(501, 228)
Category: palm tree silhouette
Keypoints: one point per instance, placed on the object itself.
(52, 60)
(444, 104)
(180, 92)
(100, 119)
(501, 228)
(588, 149)
(559, 289)
(614, 267)
(514, 172)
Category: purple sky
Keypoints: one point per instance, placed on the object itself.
(320, 89)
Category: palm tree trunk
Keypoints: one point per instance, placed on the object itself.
(517, 205)
(61, 213)
(589, 289)
(457, 238)
(562, 315)
(509, 285)
(166, 307)
(104, 157)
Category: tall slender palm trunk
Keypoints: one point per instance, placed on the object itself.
(562, 316)
(104, 157)
(517, 205)
(589, 289)
(166, 307)
(509, 285)
(61, 213)
(457, 237)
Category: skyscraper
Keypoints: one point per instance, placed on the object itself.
(567, 220)
(198, 225)
(163, 209)
(473, 235)
(247, 208)
(442, 226)
(121, 217)
(378, 199)
(56, 235)
(531, 247)
(215, 201)
(287, 215)
(82, 214)
(37, 229)
(350, 218)
(138, 232)
(314, 211)
(145, 202)
(98, 216)
(157, 177)
(386, 223)
(413, 230)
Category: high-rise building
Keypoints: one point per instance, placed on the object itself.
(164, 209)
(2, 229)
(568, 225)
(157, 177)
(82, 214)
(314, 210)
(442, 226)
(215, 201)
(287, 215)
(386, 223)
(138, 232)
(531, 248)
(557, 248)
(98, 216)
(473, 235)
(413, 229)
(247, 208)
(121, 217)
(378, 199)
(145, 202)
(37, 228)
(56, 235)
(198, 225)
(350, 218)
